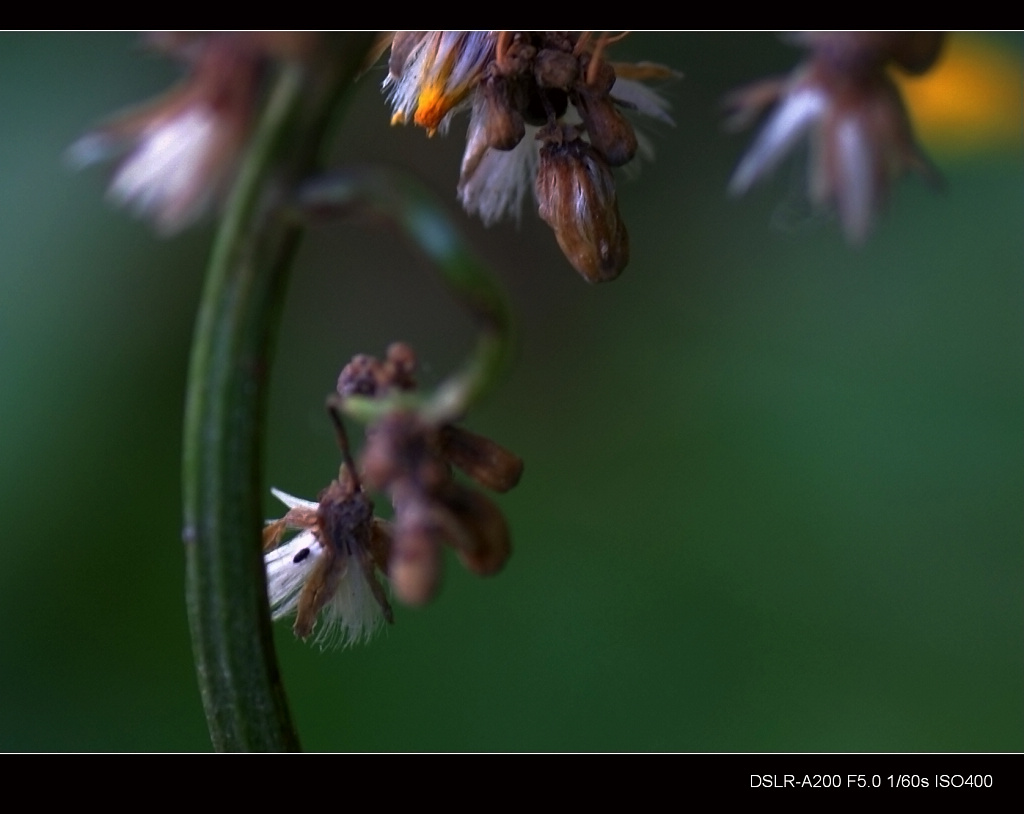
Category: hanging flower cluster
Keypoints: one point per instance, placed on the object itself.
(547, 119)
(331, 568)
(546, 112)
(845, 101)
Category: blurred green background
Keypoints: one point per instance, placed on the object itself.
(773, 488)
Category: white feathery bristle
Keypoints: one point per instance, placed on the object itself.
(499, 184)
(287, 571)
(794, 116)
(293, 502)
(167, 176)
(642, 98)
(855, 188)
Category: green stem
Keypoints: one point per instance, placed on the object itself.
(416, 212)
(244, 700)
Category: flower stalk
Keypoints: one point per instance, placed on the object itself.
(244, 700)
(413, 210)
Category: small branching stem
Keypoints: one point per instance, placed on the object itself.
(405, 203)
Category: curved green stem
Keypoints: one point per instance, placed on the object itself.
(423, 220)
(245, 703)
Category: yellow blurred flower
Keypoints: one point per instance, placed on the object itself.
(972, 100)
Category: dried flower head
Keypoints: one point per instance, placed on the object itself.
(180, 151)
(330, 568)
(845, 100)
(430, 73)
(521, 87)
(411, 458)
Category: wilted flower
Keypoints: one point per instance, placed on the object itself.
(330, 567)
(180, 151)
(430, 73)
(845, 100)
(411, 457)
(523, 89)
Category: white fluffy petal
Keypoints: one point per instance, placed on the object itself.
(641, 98)
(288, 567)
(501, 180)
(167, 176)
(794, 116)
(353, 613)
(293, 502)
(855, 187)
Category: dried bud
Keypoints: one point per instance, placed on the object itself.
(485, 461)
(411, 458)
(496, 123)
(608, 130)
(360, 377)
(399, 367)
(500, 100)
(415, 564)
(556, 69)
(576, 196)
(401, 447)
(367, 376)
(477, 530)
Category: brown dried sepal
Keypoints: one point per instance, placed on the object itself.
(576, 196)
(296, 518)
(316, 592)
